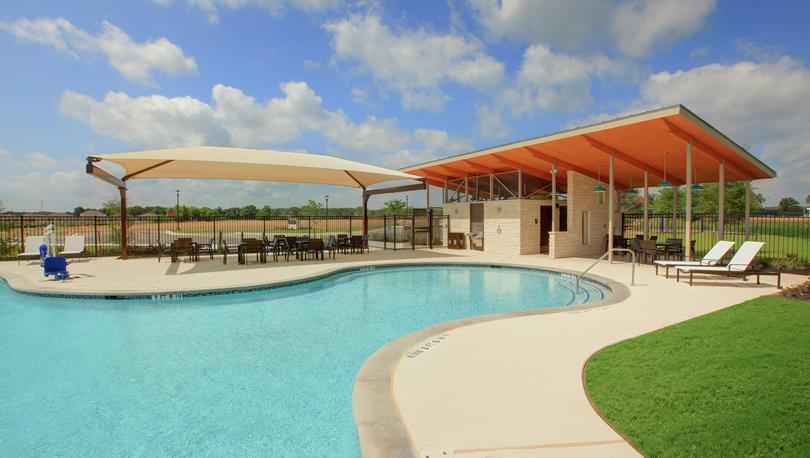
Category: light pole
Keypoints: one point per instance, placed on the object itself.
(177, 210)
(406, 204)
(327, 213)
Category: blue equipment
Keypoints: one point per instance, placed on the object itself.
(56, 266)
(43, 253)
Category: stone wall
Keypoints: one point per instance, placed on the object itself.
(582, 198)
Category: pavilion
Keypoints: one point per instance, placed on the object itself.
(495, 191)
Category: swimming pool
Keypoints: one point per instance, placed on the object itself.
(266, 372)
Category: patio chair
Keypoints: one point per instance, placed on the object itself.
(647, 249)
(74, 246)
(252, 246)
(205, 248)
(182, 246)
(344, 242)
(291, 247)
(331, 246)
(711, 258)
(32, 244)
(314, 247)
(739, 265)
(356, 243)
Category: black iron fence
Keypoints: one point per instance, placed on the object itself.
(783, 234)
(102, 235)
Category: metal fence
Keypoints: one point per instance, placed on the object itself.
(783, 234)
(102, 235)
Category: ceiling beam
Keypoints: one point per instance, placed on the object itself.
(527, 169)
(455, 171)
(596, 144)
(478, 167)
(566, 165)
(707, 150)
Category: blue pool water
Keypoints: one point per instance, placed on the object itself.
(266, 372)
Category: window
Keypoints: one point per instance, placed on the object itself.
(586, 228)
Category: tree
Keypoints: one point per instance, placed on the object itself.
(111, 207)
(394, 207)
(76, 211)
(662, 202)
(631, 203)
(789, 205)
(706, 200)
(311, 208)
(807, 199)
(264, 212)
(3, 206)
(248, 212)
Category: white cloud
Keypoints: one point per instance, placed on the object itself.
(415, 62)
(490, 123)
(41, 161)
(273, 7)
(765, 105)
(235, 118)
(558, 81)
(359, 95)
(135, 61)
(428, 144)
(5, 155)
(635, 27)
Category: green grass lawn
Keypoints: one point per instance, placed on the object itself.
(731, 383)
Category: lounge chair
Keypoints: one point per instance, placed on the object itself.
(331, 246)
(32, 244)
(74, 246)
(711, 258)
(739, 265)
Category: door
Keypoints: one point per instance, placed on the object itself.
(477, 226)
(562, 211)
(545, 226)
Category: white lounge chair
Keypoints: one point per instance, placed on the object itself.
(711, 258)
(738, 265)
(32, 244)
(74, 246)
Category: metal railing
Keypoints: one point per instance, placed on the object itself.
(145, 234)
(783, 233)
(632, 263)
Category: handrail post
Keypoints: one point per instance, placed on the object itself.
(632, 264)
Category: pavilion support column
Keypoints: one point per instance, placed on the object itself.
(491, 186)
(427, 196)
(646, 227)
(444, 191)
(688, 229)
(721, 201)
(675, 210)
(747, 210)
(611, 206)
(520, 184)
(466, 189)
(124, 230)
(555, 214)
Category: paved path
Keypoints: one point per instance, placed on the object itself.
(513, 387)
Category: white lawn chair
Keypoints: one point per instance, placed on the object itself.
(74, 246)
(738, 265)
(711, 258)
(32, 244)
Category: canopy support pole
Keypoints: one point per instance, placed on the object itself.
(611, 207)
(721, 201)
(444, 193)
(467, 189)
(365, 212)
(124, 231)
(688, 229)
(646, 227)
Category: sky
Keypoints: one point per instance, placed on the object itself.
(384, 82)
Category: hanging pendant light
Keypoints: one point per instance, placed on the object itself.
(599, 187)
(632, 191)
(665, 184)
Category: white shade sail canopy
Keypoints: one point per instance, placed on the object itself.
(210, 162)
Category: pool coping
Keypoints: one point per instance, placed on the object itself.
(381, 429)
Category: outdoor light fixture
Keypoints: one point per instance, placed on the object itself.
(665, 183)
(599, 187)
(632, 191)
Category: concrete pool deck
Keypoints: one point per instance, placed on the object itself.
(508, 387)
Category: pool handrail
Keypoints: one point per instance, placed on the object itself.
(633, 264)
